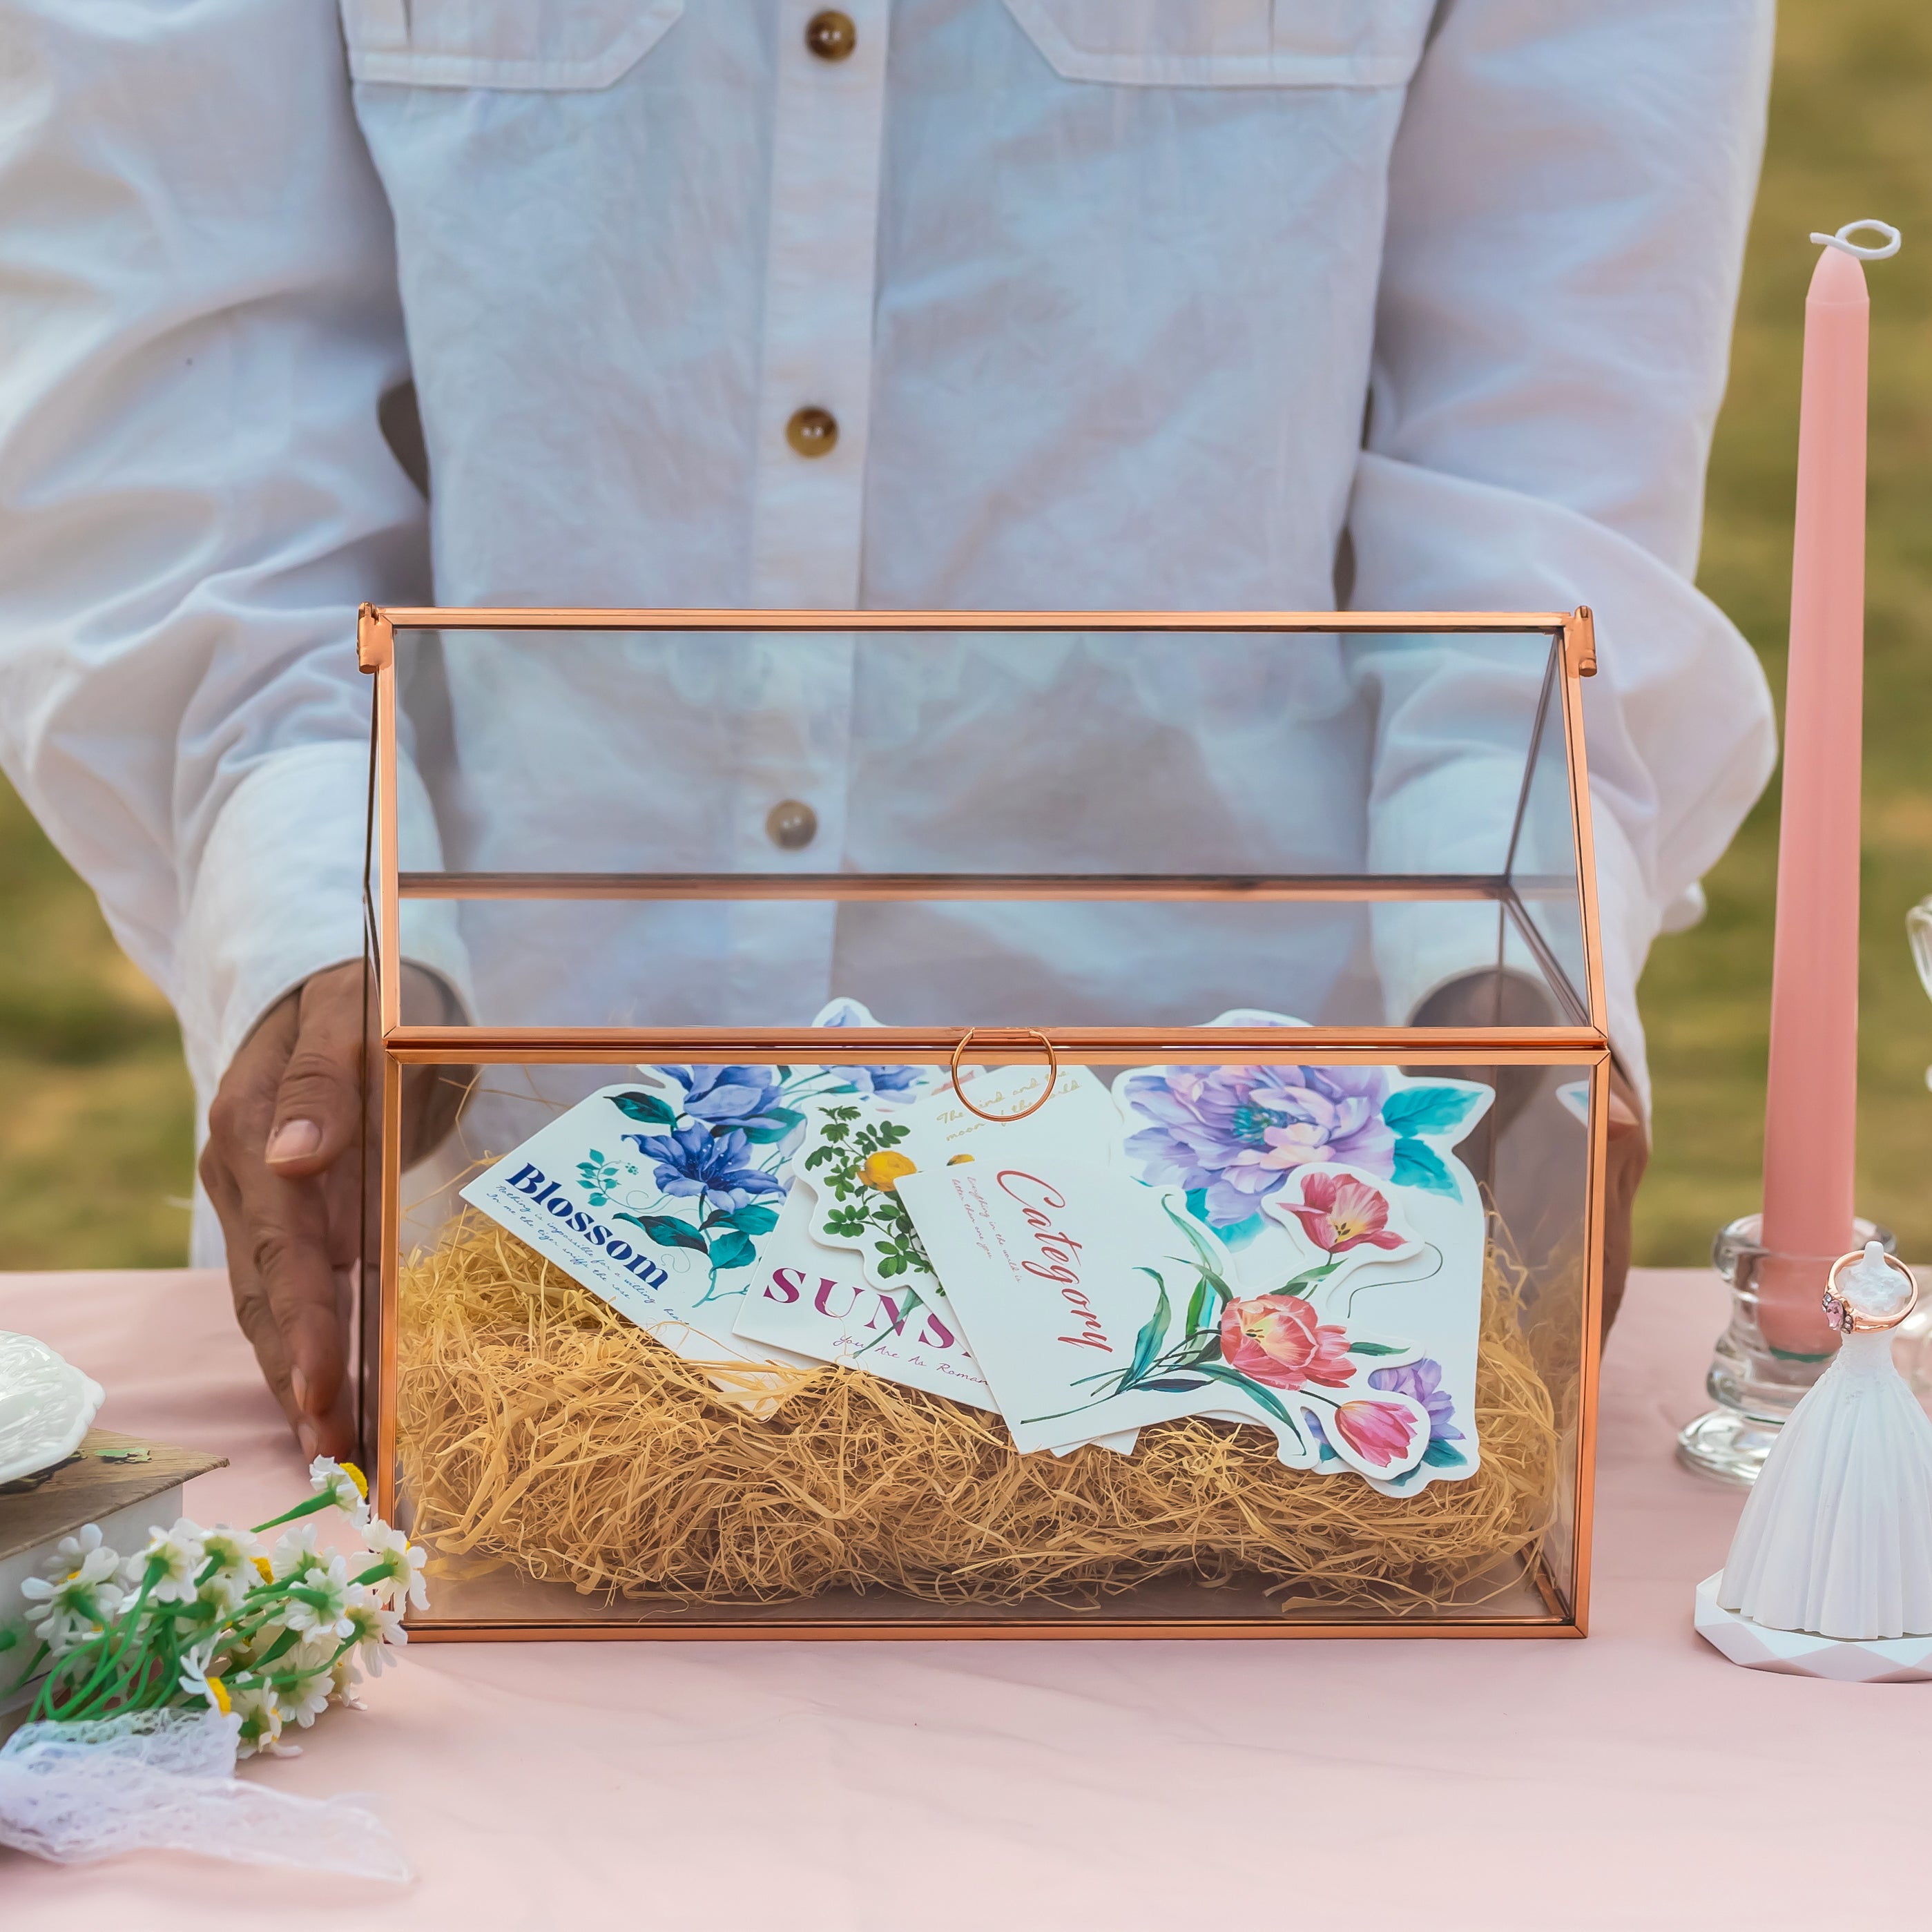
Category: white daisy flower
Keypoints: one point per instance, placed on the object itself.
(82, 1559)
(234, 1553)
(195, 1681)
(378, 1629)
(343, 1677)
(64, 1610)
(72, 1553)
(295, 1550)
(169, 1565)
(403, 1561)
(222, 1592)
(344, 1484)
(321, 1602)
(261, 1723)
(305, 1699)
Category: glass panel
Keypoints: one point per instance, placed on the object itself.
(567, 1467)
(1380, 779)
(1547, 934)
(983, 963)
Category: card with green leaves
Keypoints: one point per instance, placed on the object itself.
(844, 1277)
(855, 1152)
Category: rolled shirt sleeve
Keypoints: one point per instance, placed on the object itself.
(195, 491)
(1568, 200)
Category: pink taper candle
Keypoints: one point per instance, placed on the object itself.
(1811, 1107)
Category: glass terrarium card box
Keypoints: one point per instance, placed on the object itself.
(1051, 1124)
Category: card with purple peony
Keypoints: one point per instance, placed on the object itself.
(1088, 1298)
(1338, 1187)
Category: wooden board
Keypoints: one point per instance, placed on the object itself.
(86, 1488)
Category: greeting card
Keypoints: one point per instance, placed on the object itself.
(658, 1193)
(1052, 1267)
(655, 1198)
(844, 1277)
(855, 1151)
(1394, 1232)
(817, 1303)
(1346, 1322)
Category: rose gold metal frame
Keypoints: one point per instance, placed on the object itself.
(1584, 1041)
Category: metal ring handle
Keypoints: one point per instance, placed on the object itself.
(1046, 1092)
(1851, 1320)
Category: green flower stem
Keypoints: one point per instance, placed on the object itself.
(33, 1664)
(322, 1499)
(1160, 1366)
(113, 1640)
(261, 1606)
(134, 1675)
(127, 1672)
(282, 1645)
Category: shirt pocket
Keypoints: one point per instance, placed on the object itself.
(1230, 43)
(538, 44)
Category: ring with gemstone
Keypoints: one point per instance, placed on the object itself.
(1839, 1312)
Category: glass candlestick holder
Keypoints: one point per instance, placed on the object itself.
(1755, 1385)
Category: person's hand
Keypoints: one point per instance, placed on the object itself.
(282, 1168)
(1487, 999)
(1628, 1155)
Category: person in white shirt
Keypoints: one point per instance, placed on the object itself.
(1155, 305)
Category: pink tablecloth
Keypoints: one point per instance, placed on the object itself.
(1632, 1779)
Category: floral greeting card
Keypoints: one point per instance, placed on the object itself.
(1092, 1300)
(658, 1193)
(655, 1199)
(855, 1151)
(1343, 1316)
(844, 1277)
(817, 1303)
(1338, 1185)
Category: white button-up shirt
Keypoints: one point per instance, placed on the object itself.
(1136, 303)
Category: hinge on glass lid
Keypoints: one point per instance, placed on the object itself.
(375, 640)
(1579, 642)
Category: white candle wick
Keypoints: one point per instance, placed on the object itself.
(1843, 240)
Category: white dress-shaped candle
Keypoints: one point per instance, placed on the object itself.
(1836, 1538)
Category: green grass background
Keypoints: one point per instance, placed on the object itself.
(95, 1149)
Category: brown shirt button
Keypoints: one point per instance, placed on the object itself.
(813, 431)
(831, 34)
(791, 825)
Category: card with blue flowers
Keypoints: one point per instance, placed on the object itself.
(660, 1192)
(656, 1195)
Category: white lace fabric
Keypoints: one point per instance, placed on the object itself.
(164, 1780)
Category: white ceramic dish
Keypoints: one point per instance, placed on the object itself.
(47, 1405)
